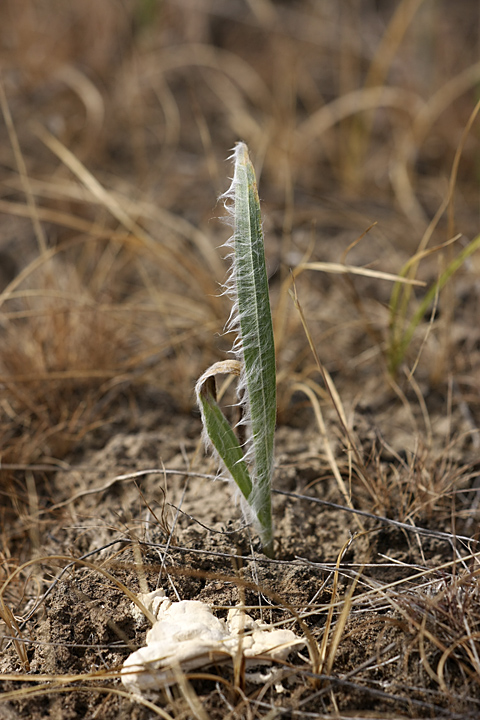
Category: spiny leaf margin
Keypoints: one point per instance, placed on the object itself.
(254, 348)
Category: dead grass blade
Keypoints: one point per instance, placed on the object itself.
(325, 659)
(9, 619)
(51, 689)
(82, 563)
(340, 269)
(22, 169)
(303, 387)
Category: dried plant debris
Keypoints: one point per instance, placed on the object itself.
(187, 636)
(363, 122)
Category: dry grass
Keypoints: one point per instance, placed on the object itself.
(118, 117)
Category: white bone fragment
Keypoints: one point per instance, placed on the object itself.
(152, 601)
(187, 636)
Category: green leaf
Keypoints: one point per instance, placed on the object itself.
(257, 349)
(221, 434)
(251, 466)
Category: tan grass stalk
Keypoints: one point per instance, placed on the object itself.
(22, 169)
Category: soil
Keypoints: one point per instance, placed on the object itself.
(109, 317)
(174, 529)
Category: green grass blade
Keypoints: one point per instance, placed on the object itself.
(400, 347)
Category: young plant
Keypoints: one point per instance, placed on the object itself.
(250, 464)
(402, 330)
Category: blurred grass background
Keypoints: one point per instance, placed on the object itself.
(118, 119)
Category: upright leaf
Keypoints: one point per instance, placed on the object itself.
(254, 349)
